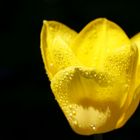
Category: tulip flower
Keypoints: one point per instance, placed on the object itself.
(94, 74)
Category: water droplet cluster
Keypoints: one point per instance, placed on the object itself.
(60, 85)
(120, 63)
(102, 78)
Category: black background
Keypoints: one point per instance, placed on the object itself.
(28, 109)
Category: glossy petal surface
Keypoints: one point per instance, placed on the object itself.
(55, 41)
(136, 41)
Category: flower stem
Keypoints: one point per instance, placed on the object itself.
(98, 137)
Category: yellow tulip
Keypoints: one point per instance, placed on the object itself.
(94, 74)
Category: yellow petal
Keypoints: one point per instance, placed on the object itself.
(130, 109)
(91, 100)
(99, 39)
(55, 41)
(136, 40)
(103, 45)
(134, 97)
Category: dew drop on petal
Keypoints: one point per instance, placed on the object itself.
(75, 122)
(70, 107)
(51, 64)
(70, 78)
(126, 86)
(70, 114)
(79, 125)
(95, 75)
(74, 112)
(93, 126)
(87, 73)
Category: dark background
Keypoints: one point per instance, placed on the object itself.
(28, 109)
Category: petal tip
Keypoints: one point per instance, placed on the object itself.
(44, 21)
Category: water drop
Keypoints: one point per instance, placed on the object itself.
(75, 122)
(100, 77)
(126, 86)
(51, 28)
(87, 73)
(60, 83)
(74, 112)
(79, 125)
(51, 65)
(93, 126)
(95, 75)
(70, 78)
(67, 73)
(70, 114)
(56, 85)
(70, 107)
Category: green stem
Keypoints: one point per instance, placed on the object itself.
(98, 137)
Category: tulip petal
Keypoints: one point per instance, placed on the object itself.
(127, 113)
(104, 45)
(134, 97)
(55, 41)
(99, 39)
(91, 100)
(136, 40)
